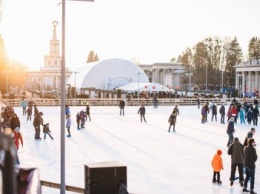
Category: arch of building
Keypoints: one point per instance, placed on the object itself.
(107, 75)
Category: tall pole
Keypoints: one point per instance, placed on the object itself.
(138, 87)
(62, 116)
(63, 92)
(222, 80)
(206, 77)
(190, 79)
(75, 73)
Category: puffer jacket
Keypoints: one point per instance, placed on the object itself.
(236, 152)
(217, 163)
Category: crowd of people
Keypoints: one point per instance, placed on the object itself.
(243, 156)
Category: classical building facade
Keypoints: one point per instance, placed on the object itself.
(248, 78)
(48, 79)
(168, 74)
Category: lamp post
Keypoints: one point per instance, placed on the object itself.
(239, 85)
(6, 72)
(189, 74)
(206, 77)
(63, 93)
(138, 74)
(75, 76)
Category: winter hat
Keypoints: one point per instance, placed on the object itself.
(251, 141)
(17, 129)
(219, 152)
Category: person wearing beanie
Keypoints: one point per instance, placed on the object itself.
(250, 157)
(217, 165)
(236, 152)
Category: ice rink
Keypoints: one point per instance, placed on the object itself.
(158, 162)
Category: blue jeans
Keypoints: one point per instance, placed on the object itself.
(250, 174)
(230, 140)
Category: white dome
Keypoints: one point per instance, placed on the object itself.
(107, 74)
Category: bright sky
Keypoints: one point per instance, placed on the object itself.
(147, 30)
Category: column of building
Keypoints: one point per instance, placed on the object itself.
(256, 81)
(243, 82)
(249, 82)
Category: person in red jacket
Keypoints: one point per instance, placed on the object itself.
(17, 139)
(233, 112)
(217, 165)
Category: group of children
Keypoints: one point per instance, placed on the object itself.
(81, 118)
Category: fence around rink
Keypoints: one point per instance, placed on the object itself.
(131, 102)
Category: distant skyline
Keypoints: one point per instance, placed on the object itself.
(148, 31)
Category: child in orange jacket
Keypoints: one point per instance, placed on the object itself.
(217, 165)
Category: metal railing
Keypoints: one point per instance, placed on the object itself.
(115, 101)
(57, 186)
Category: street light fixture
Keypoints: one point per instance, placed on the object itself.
(63, 93)
(75, 76)
(189, 74)
(138, 74)
(206, 77)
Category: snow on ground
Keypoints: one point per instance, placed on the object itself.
(158, 162)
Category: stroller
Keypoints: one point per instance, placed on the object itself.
(46, 130)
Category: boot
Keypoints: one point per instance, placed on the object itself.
(252, 192)
(231, 183)
(245, 190)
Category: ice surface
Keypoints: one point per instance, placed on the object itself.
(158, 162)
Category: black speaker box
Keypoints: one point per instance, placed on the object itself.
(104, 177)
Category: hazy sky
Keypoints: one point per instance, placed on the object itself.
(147, 30)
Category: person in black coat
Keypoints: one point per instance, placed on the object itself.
(255, 101)
(36, 111)
(14, 122)
(88, 112)
(172, 121)
(230, 131)
(236, 152)
(222, 114)
(37, 122)
(141, 111)
(29, 113)
(214, 112)
(198, 102)
(255, 115)
(78, 118)
(206, 112)
(250, 157)
(122, 107)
